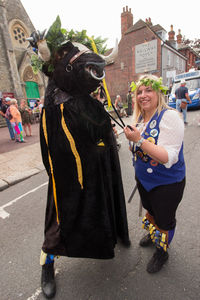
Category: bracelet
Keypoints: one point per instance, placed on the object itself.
(139, 143)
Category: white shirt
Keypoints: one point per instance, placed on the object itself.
(171, 135)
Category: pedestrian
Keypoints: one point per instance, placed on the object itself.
(4, 106)
(36, 111)
(182, 97)
(26, 113)
(16, 120)
(41, 104)
(170, 89)
(157, 136)
(130, 103)
(120, 107)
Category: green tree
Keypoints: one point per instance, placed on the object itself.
(82, 37)
(57, 35)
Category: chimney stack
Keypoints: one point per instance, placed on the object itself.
(148, 21)
(126, 20)
(179, 37)
(171, 34)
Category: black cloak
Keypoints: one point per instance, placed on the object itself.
(86, 211)
(90, 217)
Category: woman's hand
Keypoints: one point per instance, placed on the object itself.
(133, 134)
(156, 152)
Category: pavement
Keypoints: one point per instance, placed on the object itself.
(19, 161)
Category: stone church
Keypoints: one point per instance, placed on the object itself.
(17, 77)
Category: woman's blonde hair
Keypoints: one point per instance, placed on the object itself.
(161, 98)
(13, 101)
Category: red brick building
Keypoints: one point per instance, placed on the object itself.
(187, 51)
(144, 48)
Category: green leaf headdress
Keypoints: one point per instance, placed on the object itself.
(56, 36)
(156, 84)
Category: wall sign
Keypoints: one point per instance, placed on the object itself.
(146, 57)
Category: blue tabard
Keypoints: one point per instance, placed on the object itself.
(149, 172)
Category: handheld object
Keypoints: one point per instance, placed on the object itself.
(130, 127)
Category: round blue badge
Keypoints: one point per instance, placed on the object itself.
(154, 132)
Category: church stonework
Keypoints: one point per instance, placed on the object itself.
(15, 55)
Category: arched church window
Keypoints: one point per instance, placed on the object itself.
(19, 35)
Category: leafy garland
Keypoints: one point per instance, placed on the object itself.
(56, 36)
(155, 84)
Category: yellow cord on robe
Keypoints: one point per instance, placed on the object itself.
(104, 82)
(73, 147)
(50, 163)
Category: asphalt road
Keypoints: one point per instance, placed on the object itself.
(123, 278)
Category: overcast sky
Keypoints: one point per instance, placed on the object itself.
(103, 17)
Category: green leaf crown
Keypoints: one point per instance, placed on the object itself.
(155, 84)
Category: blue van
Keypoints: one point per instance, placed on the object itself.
(192, 79)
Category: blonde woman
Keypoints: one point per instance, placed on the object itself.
(157, 135)
(16, 121)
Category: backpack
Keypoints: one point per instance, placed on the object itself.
(8, 114)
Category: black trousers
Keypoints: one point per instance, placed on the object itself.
(162, 202)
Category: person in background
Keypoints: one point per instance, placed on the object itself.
(170, 89)
(36, 111)
(16, 121)
(130, 103)
(26, 117)
(119, 106)
(157, 135)
(4, 107)
(182, 96)
(41, 104)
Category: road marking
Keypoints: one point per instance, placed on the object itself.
(39, 290)
(4, 214)
(36, 294)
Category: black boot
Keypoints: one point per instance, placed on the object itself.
(47, 280)
(146, 241)
(157, 261)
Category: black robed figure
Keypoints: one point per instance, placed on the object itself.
(86, 211)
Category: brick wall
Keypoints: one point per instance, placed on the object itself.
(122, 72)
(191, 58)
